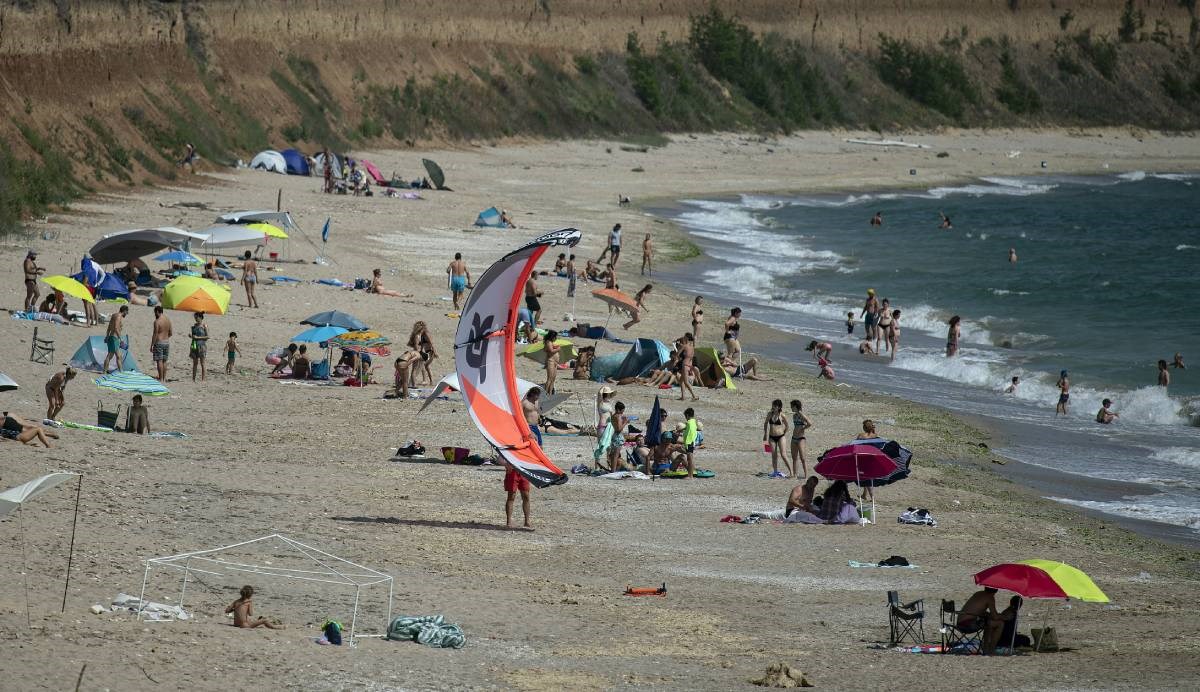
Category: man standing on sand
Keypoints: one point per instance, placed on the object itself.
(647, 256)
(32, 271)
(250, 279)
(614, 244)
(160, 342)
(572, 276)
(460, 278)
(870, 308)
(112, 338)
(531, 300)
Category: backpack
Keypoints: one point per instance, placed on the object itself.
(333, 632)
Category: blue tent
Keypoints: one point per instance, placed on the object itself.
(490, 218)
(92, 352)
(604, 367)
(643, 356)
(296, 163)
(110, 286)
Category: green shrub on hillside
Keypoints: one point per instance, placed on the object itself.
(932, 77)
(1132, 21)
(641, 74)
(1102, 53)
(1014, 92)
(28, 187)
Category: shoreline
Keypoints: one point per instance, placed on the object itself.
(312, 463)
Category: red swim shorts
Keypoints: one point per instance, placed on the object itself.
(514, 482)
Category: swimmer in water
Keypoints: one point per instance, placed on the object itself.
(1064, 393)
(1012, 386)
(1178, 362)
(877, 220)
(1012, 255)
(1164, 377)
(945, 221)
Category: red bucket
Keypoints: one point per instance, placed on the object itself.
(274, 255)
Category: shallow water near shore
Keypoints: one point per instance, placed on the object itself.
(1101, 287)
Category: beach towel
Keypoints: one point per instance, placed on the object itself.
(82, 426)
(280, 279)
(39, 317)
(603, 442)
(169, 434)
(431, 630)
(867, 565)
(330, 282)
(149, 609)
(622, 475)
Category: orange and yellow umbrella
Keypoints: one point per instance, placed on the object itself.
(196, 294)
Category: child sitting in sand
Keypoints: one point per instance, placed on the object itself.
(139, 417)
(243, 612)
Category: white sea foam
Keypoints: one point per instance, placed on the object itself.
(996, 186)
(1133, 176)
(753, 242)
(1149, 405)
(1182, 456)
(1146, 508)
(1177, 177)
(1006, 292)
(1187, 247)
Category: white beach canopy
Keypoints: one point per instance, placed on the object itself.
(279, 218)
(13, 498)
(318, 566)
(230, 235)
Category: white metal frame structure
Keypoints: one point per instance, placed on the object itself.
(333, 570)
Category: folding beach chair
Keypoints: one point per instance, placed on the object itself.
(905, 620)
(42, 350)
(952, 636)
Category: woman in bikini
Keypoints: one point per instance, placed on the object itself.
(733, 327)
(250, 279)
(883, 326)
(552, 356)
(800, 425)
(697, 317)
(376, 286)
(775, 428)
(894, 333)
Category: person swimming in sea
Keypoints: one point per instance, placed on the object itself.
(1104, 415)
(1178, 362)
(877, 220)
(1012, 255)
(1012, 386)
(1164, 377)
(945, 221)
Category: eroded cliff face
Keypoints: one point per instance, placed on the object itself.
(120, 85)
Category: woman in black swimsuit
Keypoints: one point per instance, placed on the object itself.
(733, 349)
(697, 318)
(775, 428)
(800, 424)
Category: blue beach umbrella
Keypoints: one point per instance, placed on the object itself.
(335, 318)
(132, 381)
(179, 256)
(654, 425)
(317, 335)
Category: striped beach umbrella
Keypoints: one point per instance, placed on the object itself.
(370, 342)
(196, 294)
(132, 381)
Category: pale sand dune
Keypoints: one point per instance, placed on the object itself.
(541, 610)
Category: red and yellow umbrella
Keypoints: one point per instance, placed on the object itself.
(1042, 579)
(362, 341)
(196, 294)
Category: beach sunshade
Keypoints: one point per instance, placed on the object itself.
(196, 294)
(282, 219)
(335, 318)
(373, 171)
(7, 384)
(180, 257)
(91, 354)
(899, 453)
(110, 286)
(537, 352)
(132, 382)
(654, 425)
(230, 235)
(484, 347)
(643, 356)
(854, 463)
(1042, 579)
(617, 300)
(490, 218)
(436, 176)
(127, 245)
(318, 334)
(708, 362)
(267, 229)
(269, 160)
(14, 497)
(69, 287)
(372, 343)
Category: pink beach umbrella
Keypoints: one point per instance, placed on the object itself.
(856, 463)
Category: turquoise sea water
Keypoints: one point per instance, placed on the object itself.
(1104, 287)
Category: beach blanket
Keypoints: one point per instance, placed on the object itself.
(169, 434)
(39, 317)
(149, 609)
(857, 564)
(284, 279)
(431, 630)
(603, 442)
(621, 475)
(81, 426)
(916, 516)
(331, 282)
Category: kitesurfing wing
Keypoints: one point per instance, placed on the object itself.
(483, 357)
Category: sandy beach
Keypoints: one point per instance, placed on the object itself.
(542, 610)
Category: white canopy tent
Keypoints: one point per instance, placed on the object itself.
(12, 499)
(127, 245)
(227, 561)
(282, 219)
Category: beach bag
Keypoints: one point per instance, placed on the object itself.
(455, 455)
(361, 284)
(332, 629)
(320, 371)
